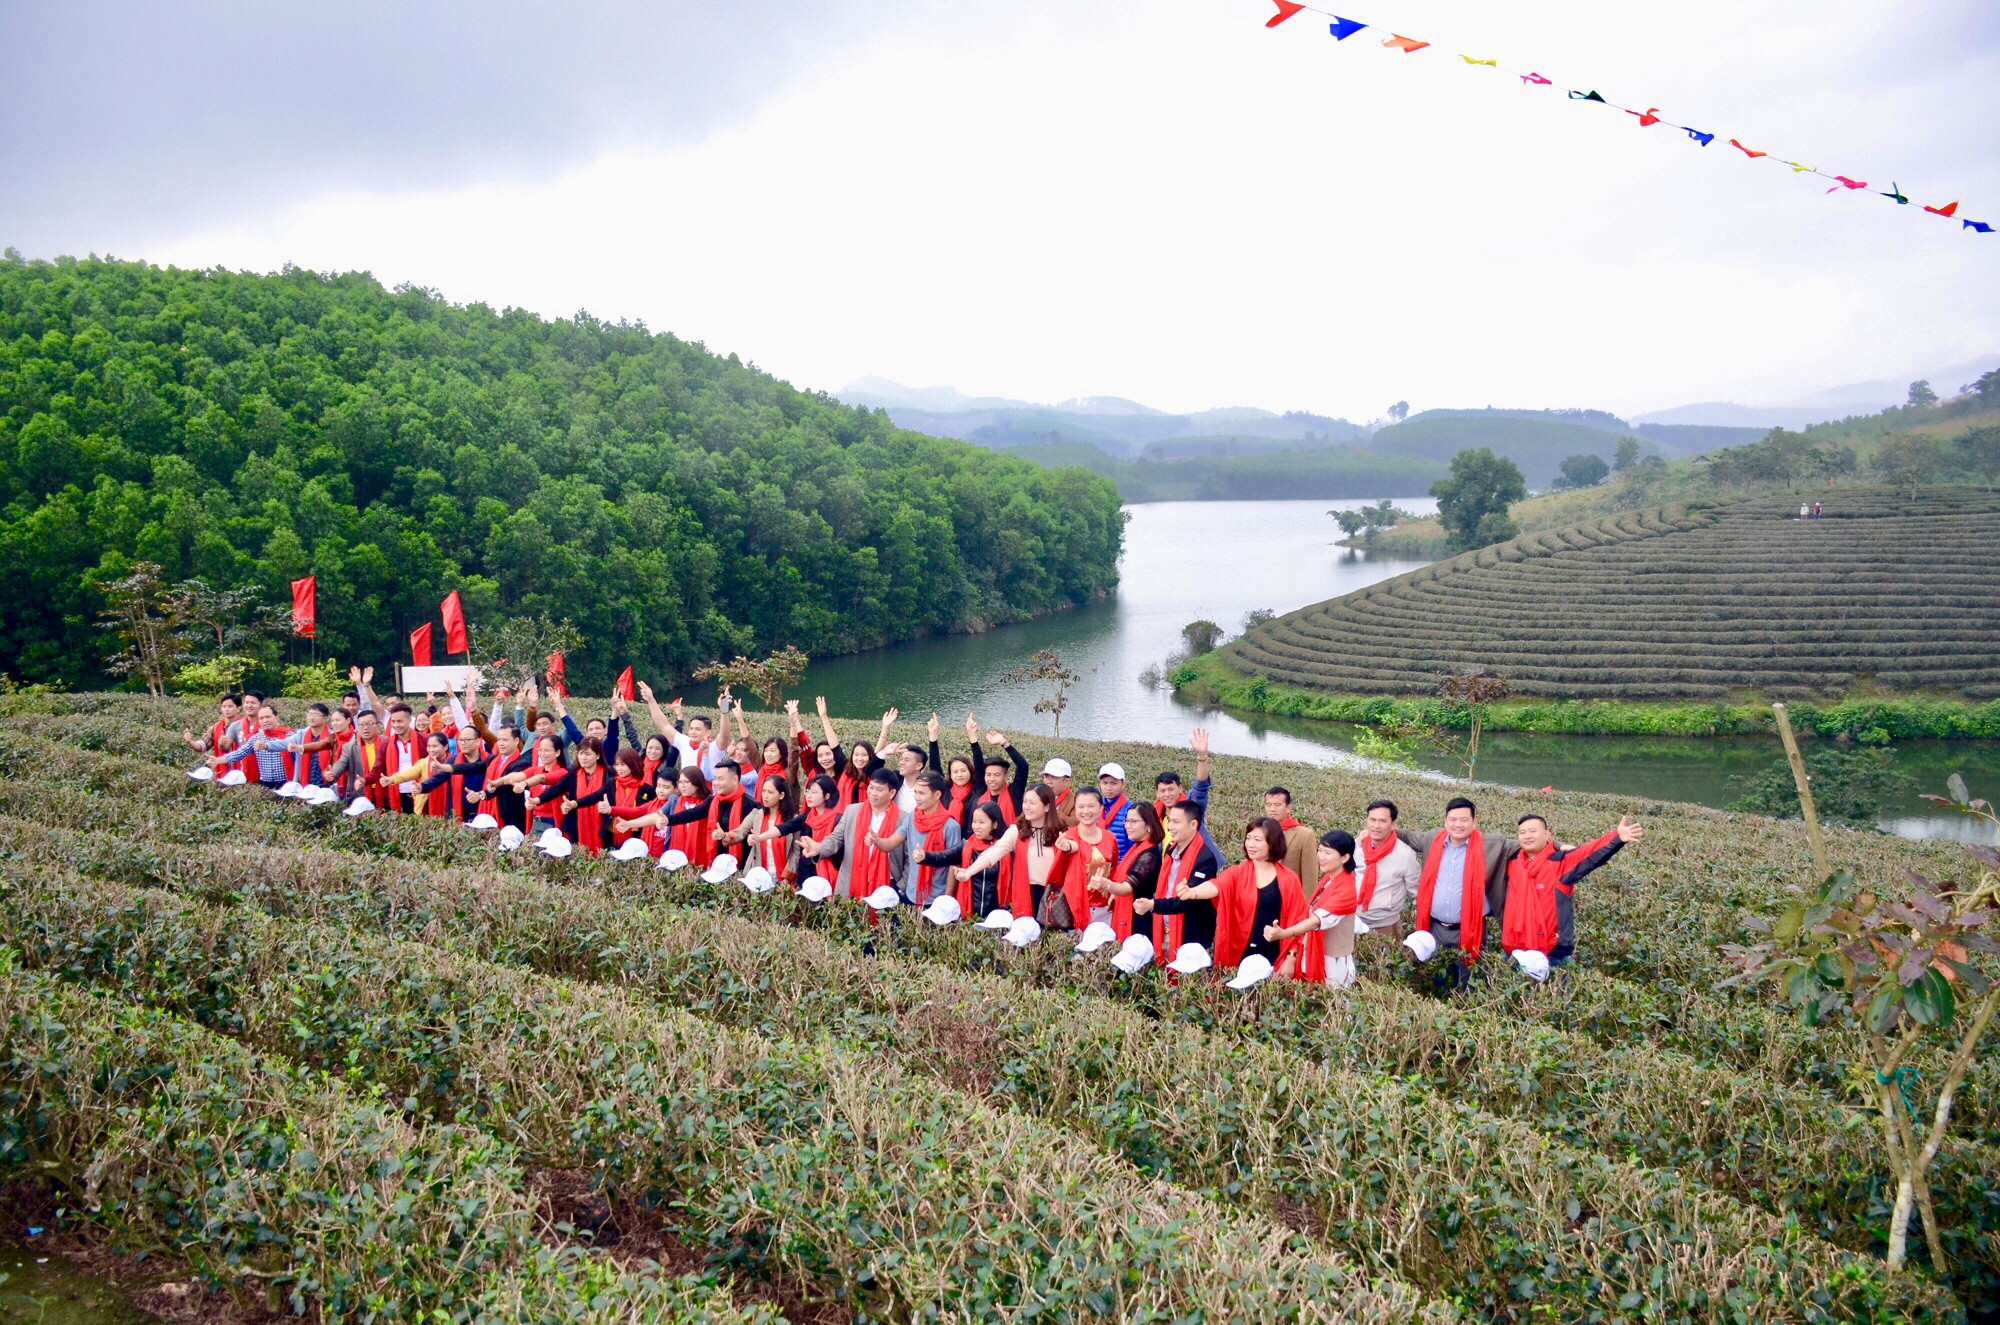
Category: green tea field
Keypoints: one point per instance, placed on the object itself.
(372, 1069)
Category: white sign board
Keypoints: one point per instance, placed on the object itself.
(430, 680)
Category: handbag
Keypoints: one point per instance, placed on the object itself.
(1055, 910)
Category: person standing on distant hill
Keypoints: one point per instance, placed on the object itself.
(1462, 884)
(1388, 873)
(1805, 510)
(1538, 913)
(1816, 510)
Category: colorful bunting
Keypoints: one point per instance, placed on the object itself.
(1343, 28)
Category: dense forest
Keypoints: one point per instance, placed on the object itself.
(677, 506)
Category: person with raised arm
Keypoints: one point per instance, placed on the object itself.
(909, 760)
(1259, 902)
(1003, 788)
(676, 819)
(764, 834)
(440, 793)
(1186, 892)
(696, 747)
(1168, 791)
(1029, 844)
(499, 793)
(1538, 911)
(961, 774)
(873, 841)
(581, 794)
(1324, 953)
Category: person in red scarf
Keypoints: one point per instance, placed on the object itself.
(1386, 874)
(219, 741)
(776, 762)
(1301, 842)
(400, 747)
(775, 820)
(874, 839)
(1137, 872)
(1256, 899)
(726, 806)
(266, 746)
(548, 770)
(1002, 788)
(1462, 884)
(499, 790)
(580, 794)
(821, 813)
(1324, 954)
(358, 769)
(960, 795)
(628, 784)
(981, 894)
(1185, 896)
(1089, 854)
(1029, 846)
(441, 793)
(1538, 913)
(937, 847)
(675, 818)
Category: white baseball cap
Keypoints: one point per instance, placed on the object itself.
(1361, 927)
(202, 774)
(943, 910)
(1423, 945)
(235, 777)
(999, 919)
(1134, 955)
(511, 837)
(1095, 935)
(1056, 768)
(1022, 932)
(1533, 964)
(815, 889)
(1255, 970)
(290, 789)
(723, 867)
(557, 849)
(319, 795)
(632, 848)
(1192, 957)
(359, 806)
(885, 898)
(548, 838)
(482, 822)
(1112, 771)
(673, 860)
(758, 879)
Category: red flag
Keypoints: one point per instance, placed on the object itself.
(558, 683)
(420, 645)
(624, 687)
(454, 625)
(1945, 210)
(1285, 10)
(302, 607)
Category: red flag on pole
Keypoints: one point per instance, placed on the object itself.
(302, 607)
(558, 683)
(420, 645)
(454, 625)
(624, 687)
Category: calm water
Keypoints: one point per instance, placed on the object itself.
(1221, 560)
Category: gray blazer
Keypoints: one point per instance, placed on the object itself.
(847, 834)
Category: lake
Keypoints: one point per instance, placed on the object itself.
(1220, 560)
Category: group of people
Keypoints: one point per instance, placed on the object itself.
(970, 836)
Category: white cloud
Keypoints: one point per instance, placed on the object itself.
(1170, 203)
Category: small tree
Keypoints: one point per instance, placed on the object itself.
(1627, 454)
(515, 651)
(1980, 451)
(1921, 395)
(1048, 668)
(1199, 637)
(1400, 410)
(1256, 617)
(1907, 973)
(1475, 687)
(140, 614)
(1986, 387)
(222, 622)
(1910, 459)
(1583, 471)
(767, 678)
(1473, 501)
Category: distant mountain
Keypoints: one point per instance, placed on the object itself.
(1536, 440)
(881, 393)
(1826, 406)
(1104, 405)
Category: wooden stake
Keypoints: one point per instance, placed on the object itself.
(1813, 839)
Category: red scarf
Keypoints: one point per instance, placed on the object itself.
(648, 770)
(1168, 940)
(957, 800)
(1528, 920)
(715, 804)
(773, 853)
(1288, 823)
(1335, 896)
(1472, 892)
(1371, 856)
(624, 796)
(1073, 869)
(692, 839)
(1121, 904)
(930, 824)
(589, 818)
(551, 772)
(871, 864)
(447, 799)
(1236, 911)
(962, 890)
(1004, 798)
(768, 771)
(819, 823)
(379, 793)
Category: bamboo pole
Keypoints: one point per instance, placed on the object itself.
(1813, 839)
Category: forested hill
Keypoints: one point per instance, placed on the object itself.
(677, 506)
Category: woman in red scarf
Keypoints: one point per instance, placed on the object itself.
(821, 813)
(654, 759)
(979, 895)
(1089, 854)
(548, 769)
(766, 828)
(776, 763)
(1137, 872)
(1324, 954)
(1029, 847)
(1253, 897)
(679, 821)
(628, 784)
(580, 794)
(440, 791)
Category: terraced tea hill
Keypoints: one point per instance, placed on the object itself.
(1884, 592)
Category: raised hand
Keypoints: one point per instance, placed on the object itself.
(891, 716)
(819, 704)
(354, 675)
(996, 738)
(931, 728)
(646, 691)
(792, 708)
(971, 728)
(1200, 741)
(367, 675)
(1629, 831)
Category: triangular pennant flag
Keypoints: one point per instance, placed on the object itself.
(1703, 138)
(420, 645)
(1845, 182)
(1343, 28)
(1896, 192)
(1945, 210)
(1587, 96)
(454, 624)
(1285, 10)
(1648, 116)
(1799, 168)
(1407, 45)
(1979, 226)
(1536, 79)
(1747, 151)
(1470, 60)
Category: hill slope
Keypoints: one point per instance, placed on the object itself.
(1536, 440)
(1679, 603)
(676, 505)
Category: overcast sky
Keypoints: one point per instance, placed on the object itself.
(1046, 198)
